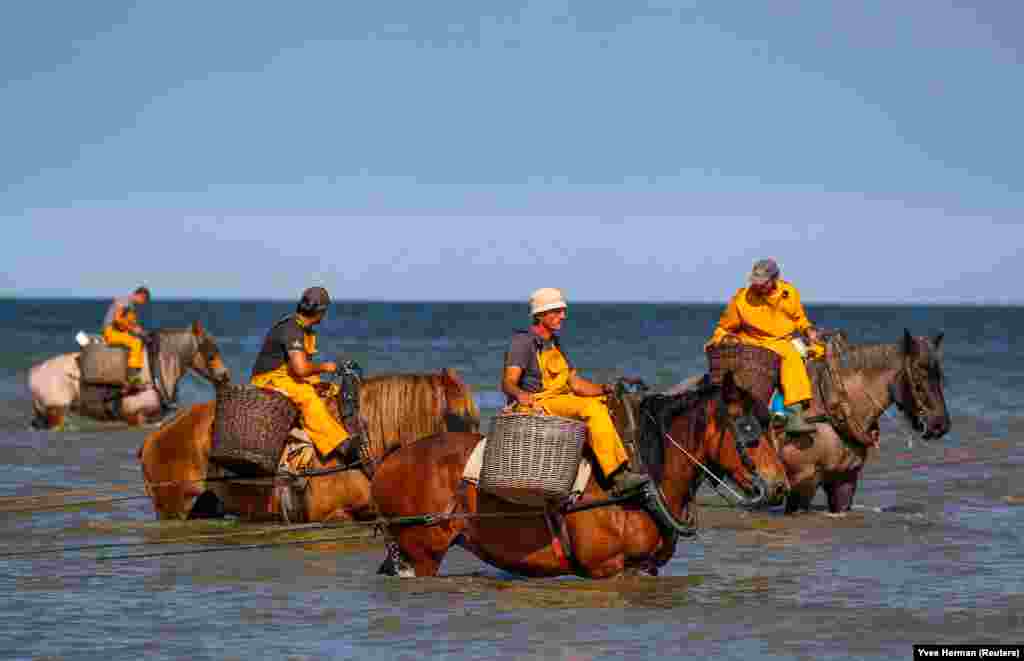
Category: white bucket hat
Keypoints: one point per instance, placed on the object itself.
(546, 298)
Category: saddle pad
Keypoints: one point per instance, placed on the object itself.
(476, 462)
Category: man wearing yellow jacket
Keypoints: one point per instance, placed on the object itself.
(767, 314)
(285, 364)
(538, 376)
(121, 328)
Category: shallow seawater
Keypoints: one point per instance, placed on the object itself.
(932, 553)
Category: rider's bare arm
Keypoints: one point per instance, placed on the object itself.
(301, 367)
(585, 387)
(510, 386)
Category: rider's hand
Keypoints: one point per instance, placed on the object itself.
(525, 399)
(329, 367)
(812, 334)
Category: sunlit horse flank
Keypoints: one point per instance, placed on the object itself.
(909, 375)
(424, 478)
(55, 384)
(397, 409)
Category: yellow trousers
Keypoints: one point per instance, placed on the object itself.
(796, 385)
(325, 432)
(604, 439)
(116, 338)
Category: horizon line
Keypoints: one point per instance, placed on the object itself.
(245, 299)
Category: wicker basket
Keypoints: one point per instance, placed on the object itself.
(103, 364)
(755, 369)
(532, 459)
(250, 429)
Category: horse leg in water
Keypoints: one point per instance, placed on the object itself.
(840, 492)
(800, 496)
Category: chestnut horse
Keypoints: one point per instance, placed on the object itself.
(703, 425)
(397, 408)
(56, 388)
(875, 376)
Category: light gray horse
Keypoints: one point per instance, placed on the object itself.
(876, 376)
(56, 387)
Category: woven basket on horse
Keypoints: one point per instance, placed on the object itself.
(755, 369)
(532, 459)
(250, 429)
(103, 364)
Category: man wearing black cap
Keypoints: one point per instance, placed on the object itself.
(285, 364)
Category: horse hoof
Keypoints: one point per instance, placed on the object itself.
(207, 506)
(394, 563)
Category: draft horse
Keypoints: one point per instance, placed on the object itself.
(56, 384)
(183, 483)
(908, 374)
(722, 427)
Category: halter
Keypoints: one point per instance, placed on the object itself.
(921, 405)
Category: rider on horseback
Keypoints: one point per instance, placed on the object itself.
(284, 364)
(539, 376)
(768, 313)
(121, 327)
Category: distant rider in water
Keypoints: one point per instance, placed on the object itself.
(121, 328)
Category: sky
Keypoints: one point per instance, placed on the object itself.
(477, 150)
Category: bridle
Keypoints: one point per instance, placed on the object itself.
(747, 431)
(921, 406)
(205, 347)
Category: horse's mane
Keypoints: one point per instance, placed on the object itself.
(657, 412)
(400, 408)
(872, 356)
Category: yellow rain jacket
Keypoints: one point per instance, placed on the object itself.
(556, 398)
(323, 429)
(120, 334)
(769, 322)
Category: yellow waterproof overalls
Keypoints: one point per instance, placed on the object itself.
(556, 398)
(323, 429)
(118, 334)
(769, 322)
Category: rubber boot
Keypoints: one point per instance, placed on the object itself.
(795, 422)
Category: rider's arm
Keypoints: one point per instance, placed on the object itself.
(301, 367)
(124, 320)
(728, 323)
(794, 308)
(585, 387)
(510, 385)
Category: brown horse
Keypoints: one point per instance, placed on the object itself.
(704, 425)
(909, 375)
(398, 408)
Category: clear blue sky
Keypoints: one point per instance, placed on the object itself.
(477, 150)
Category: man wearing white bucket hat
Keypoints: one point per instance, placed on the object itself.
(538, 375)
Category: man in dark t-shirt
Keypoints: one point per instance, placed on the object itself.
(285, 364)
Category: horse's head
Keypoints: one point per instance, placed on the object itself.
(206, 359)
(919, 393)
(744, 450)
(462, 413)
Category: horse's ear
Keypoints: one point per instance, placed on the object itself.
(730, 391)
(908, 342)
(451, 376)
(937, 342)
(197, 328)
